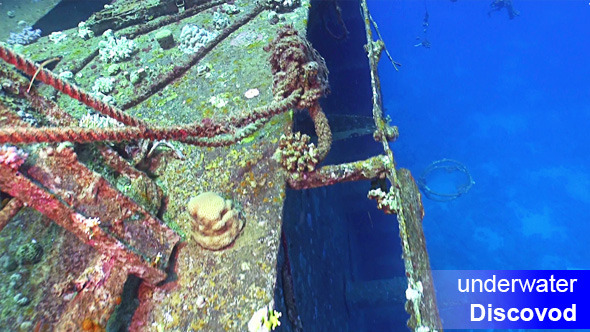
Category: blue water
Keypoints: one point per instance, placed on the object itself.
(510, 99)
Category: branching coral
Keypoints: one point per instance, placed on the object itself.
(296, 154)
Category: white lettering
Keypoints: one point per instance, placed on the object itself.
(510, 317)
(474, 282)
(571, 310)
(552, 317)
(482, 312)
(542, 286)
(561, 283)
(491, 288)
(541, 314)
(503, 285)
(499, 313)
(491, 285)
(552, 280)
(466, 289)
(529, 313)
(572, 285)
(479, 313)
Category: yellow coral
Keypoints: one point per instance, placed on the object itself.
(217, 224)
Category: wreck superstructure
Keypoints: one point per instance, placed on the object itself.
(214, 116)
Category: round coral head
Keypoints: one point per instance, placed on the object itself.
(216, 224)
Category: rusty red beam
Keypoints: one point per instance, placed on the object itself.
(9, 211)
(90, 194)
(90, 228)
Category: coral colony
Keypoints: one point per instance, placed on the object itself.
(27, 36)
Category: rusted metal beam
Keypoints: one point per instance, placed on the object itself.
(9, 210)
(404, 200)
(85, 204)
(424, 311)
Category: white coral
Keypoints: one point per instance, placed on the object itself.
(218, 101)
(98, 121)
(220, 21)
(103, 85)
(113, 50)
(414, 291)
(193, 38)
(88, 224)
(58, 36)
(84, 32)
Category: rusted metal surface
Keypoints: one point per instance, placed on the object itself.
(425, 312)
(232, 283)
(98, 291)
(122, 14)
(80, 201)
(91, 195)
(63, 203)
(9, 211)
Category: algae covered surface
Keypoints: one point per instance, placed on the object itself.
(205, 290)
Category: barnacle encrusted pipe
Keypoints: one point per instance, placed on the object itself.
(25, 135)
(374, 167)
(322, 129)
